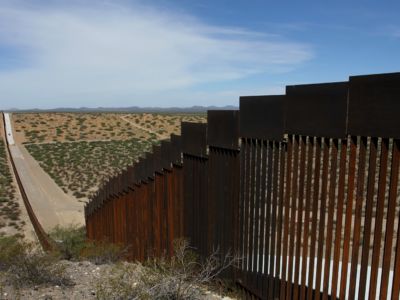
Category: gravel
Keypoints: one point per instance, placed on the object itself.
(84, 276)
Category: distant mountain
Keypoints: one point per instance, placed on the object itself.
(132, 109)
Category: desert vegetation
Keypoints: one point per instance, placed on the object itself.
(164, 124)
(61, 127)
(78, 268)
(80, 150)
(80, 167)
(9, 207)
(183, 276)
(23, 263)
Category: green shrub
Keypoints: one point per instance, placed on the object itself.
(11, 248)
(69, 240)
(72, 244)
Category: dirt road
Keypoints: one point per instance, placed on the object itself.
(50, 204)
(160, 136)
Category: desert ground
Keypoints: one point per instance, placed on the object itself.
(70, 127)
(13, 216)
(81, 150)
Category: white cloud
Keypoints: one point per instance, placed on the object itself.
(108, 54)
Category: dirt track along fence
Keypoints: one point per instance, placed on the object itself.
(304, 186)
(44, 240)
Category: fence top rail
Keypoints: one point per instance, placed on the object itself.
(316, 109)
(374, 105)
(158, 166)
(223, 129)
(166, 155)
(262, 117)
(176, 149)
(367, 105)
(194, 138)
(149, 166)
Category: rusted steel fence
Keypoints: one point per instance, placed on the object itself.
(223, 190)
(141, 207)
(303, 186)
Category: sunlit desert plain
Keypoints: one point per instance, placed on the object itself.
(81, 150)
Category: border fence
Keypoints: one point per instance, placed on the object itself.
(303, 186)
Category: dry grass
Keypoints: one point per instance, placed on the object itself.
(26, 265)
(184, 276)
(61, 127)
(164, 124)
(25, 269)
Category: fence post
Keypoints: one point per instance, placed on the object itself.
(223, 183)
(374, 109)
(195, 183)
(316, 126)
(176, 192)
(261, 130)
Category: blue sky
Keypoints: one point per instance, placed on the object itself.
(183, 53)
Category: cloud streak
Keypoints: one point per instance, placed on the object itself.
(127, 55)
